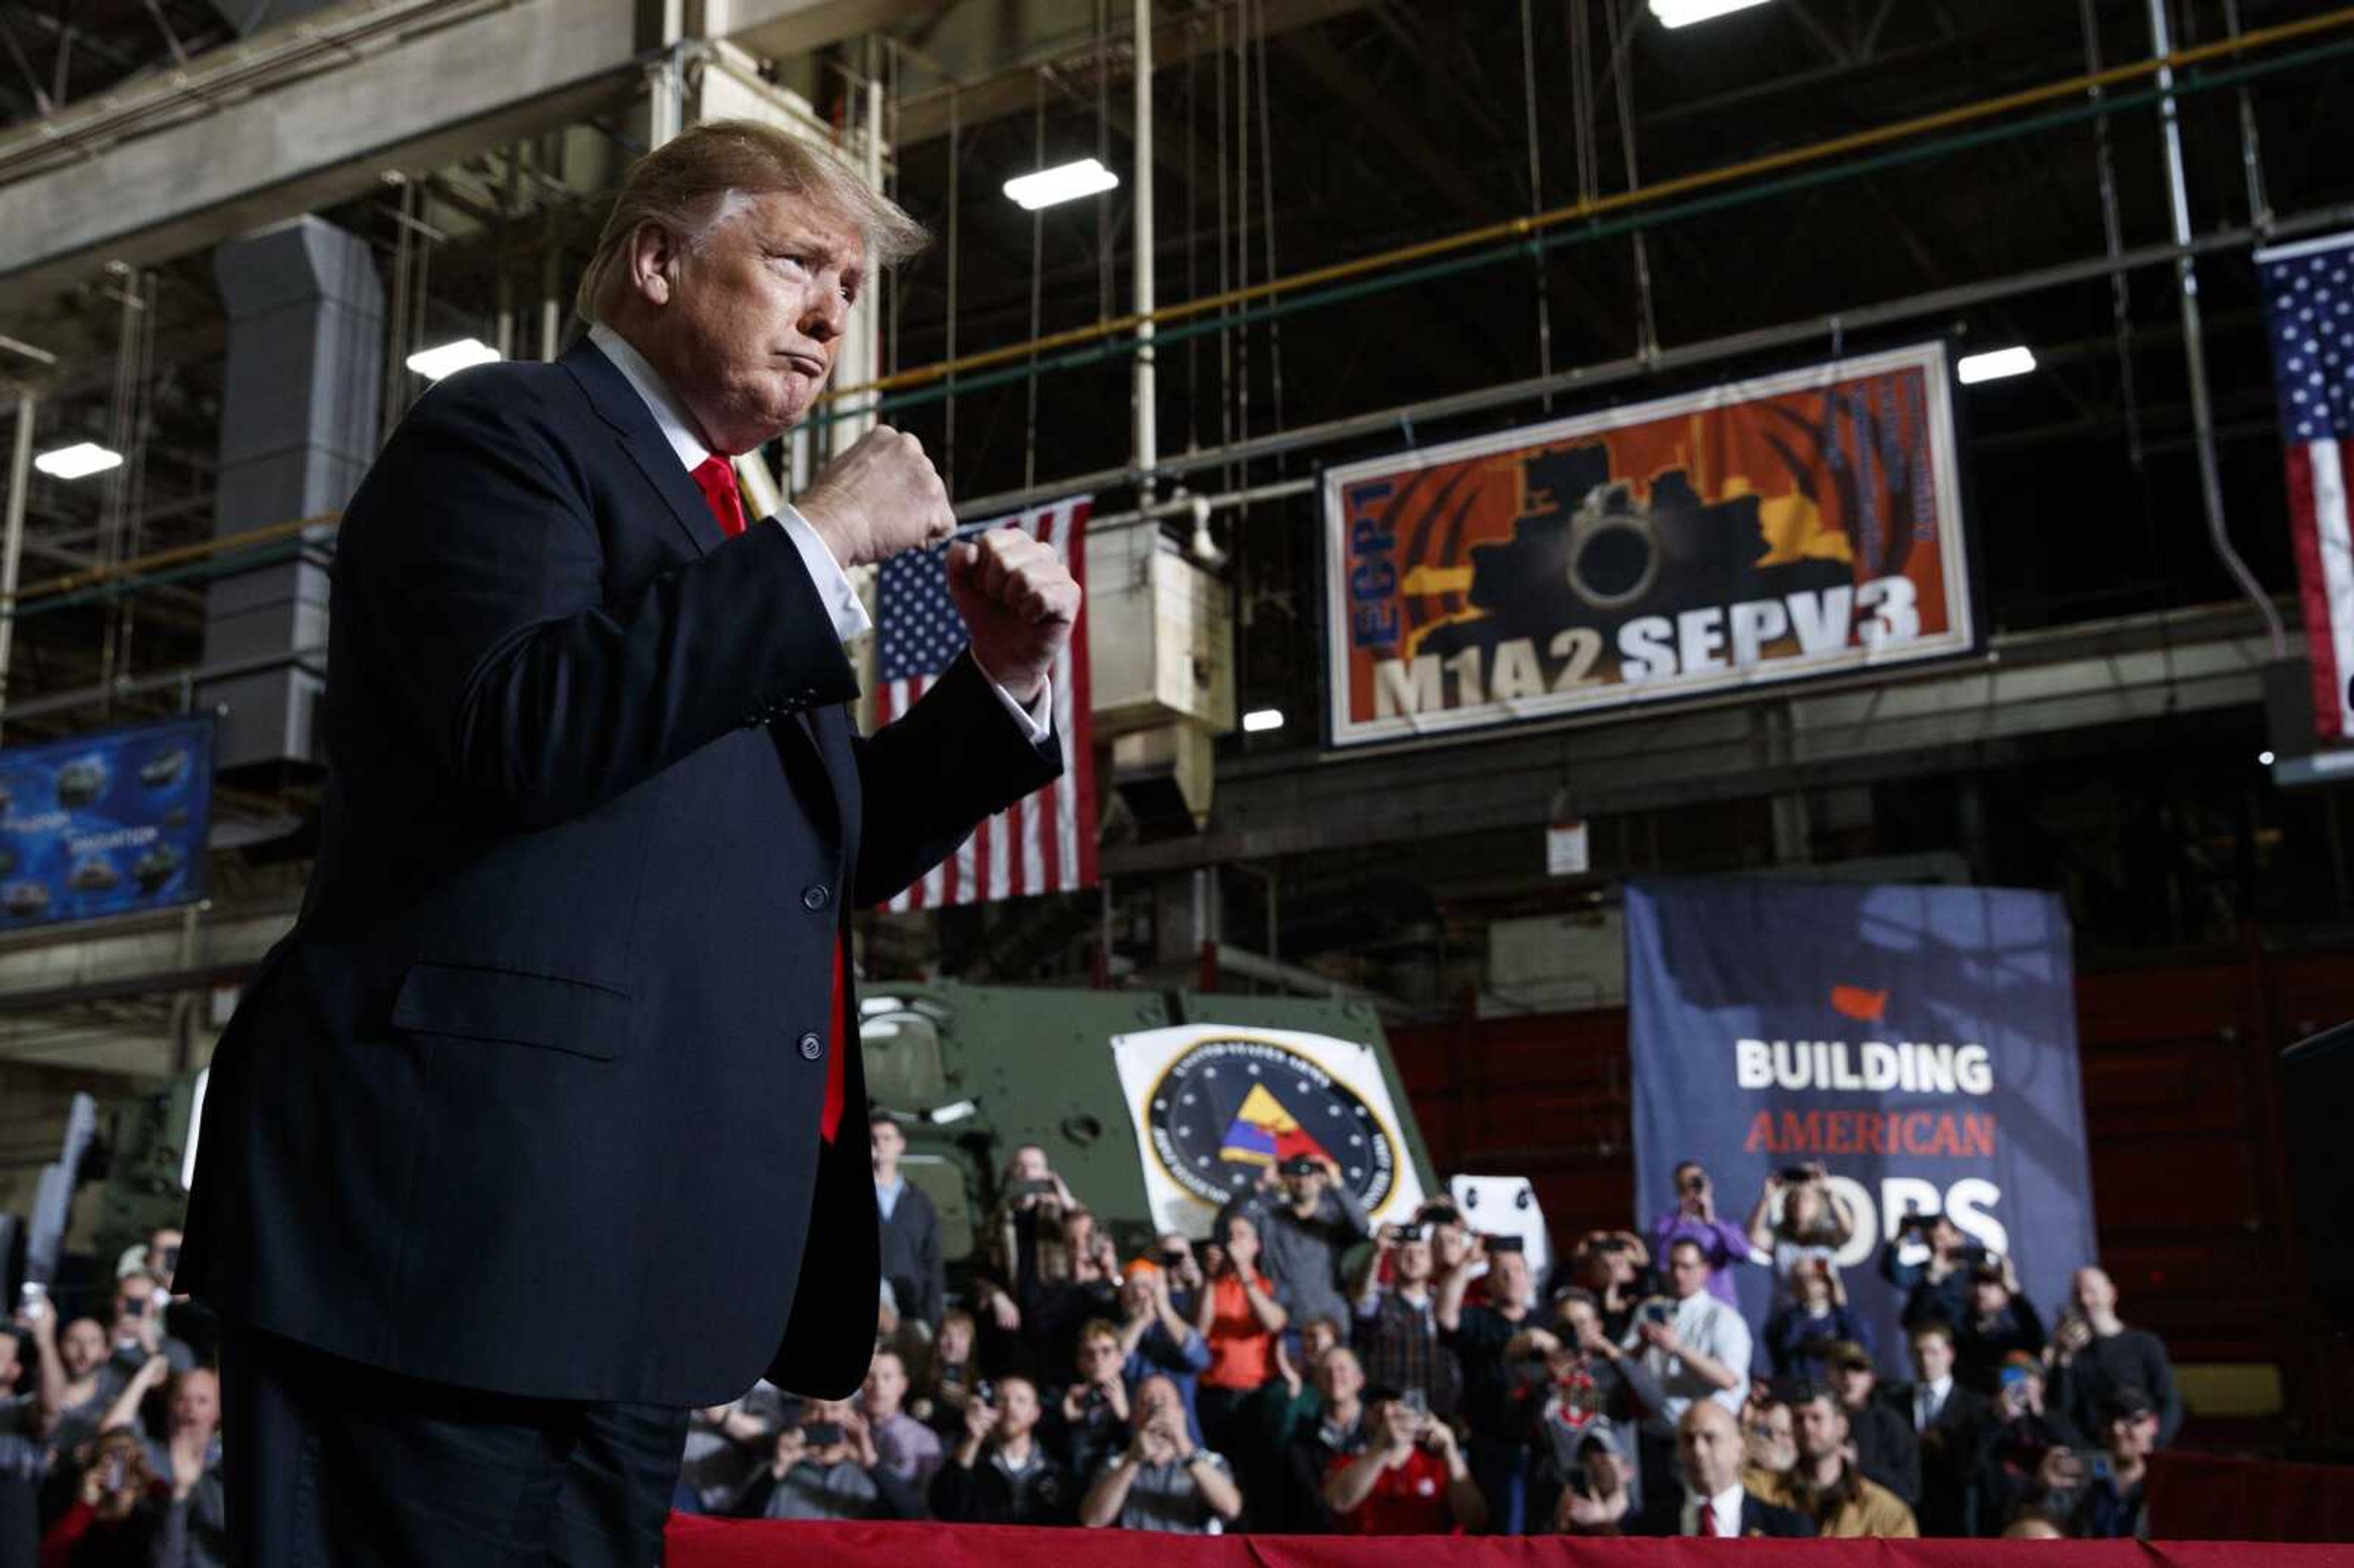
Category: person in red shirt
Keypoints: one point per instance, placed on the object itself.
(1409, 1479)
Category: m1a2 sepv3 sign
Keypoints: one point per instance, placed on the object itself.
(1799, 526)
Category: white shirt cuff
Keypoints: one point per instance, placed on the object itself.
(833, 589)
(1037, 720)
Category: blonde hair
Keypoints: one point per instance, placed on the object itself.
(702, 177)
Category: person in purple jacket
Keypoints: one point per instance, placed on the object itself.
(1694, 1219)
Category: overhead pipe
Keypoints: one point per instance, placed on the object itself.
(1404, 418)
(188, 561)
(2194, 337)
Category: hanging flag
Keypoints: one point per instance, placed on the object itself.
(1044, 842)
(2309, 322)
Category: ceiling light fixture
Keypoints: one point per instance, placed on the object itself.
(1995, 365)
(1684, 13)
(78, 461)
(448, 359)
(1065, 182)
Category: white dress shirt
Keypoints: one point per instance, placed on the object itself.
(833, 584)
(1928, 1399)
(1716, 1332)
(1726, 1505)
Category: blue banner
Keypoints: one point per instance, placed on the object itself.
(1920, 1042)
(104, 824)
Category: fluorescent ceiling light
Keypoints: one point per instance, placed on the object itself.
(1993, 366)
(1684, 13)
(1067, 181)
(78, 461)
(1258, 719)
(448, 359)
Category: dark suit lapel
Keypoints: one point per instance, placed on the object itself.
(618, 404)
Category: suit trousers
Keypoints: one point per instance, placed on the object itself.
(332, 1463)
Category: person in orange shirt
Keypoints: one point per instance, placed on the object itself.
(1240, 1319)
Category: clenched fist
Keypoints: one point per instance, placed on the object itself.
(880, 497)
(1019, 602)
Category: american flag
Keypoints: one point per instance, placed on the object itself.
(1046, 842)
(2309, 311)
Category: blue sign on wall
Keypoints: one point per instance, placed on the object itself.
(1920, 1042)
(104, 824)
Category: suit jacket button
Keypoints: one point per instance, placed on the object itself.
(814, 897)
(811, 1047)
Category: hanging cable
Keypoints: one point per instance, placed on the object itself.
(1037, 275)
(1193, 247)
(1241, 388)
(2252, 153)
(143, 423)
(1647, 325)
(1102, 158)
(1536, 187)
(2121, 320)
(891, 187)
(1267, 225)
(956, 213)
(114, 500)
(1225, 268)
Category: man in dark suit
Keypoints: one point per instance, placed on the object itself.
(911, 1227)
(1709, 1451)
(531, 1135)
(1949, 1421)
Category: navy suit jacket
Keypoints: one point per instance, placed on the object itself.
(528, 1099)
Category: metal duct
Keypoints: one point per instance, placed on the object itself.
(297, 429)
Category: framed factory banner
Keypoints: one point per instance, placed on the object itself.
(1797, 525)
(1217, 1106)
(111, 823)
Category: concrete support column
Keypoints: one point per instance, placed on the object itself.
(297, 429)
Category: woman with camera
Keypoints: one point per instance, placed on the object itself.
(1797, 1216)
(118, 1514)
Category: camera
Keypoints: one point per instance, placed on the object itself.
(823, 1433)
(1797, 1174)
(985, 1392)
(1416, 1232)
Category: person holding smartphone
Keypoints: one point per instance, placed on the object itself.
(1799, 1218)
(826, 1466)
(1410, 1479)
(1163, 1480)
(116, 1516)
(1000, 1473)
(24, 1418)
(1694, 1218)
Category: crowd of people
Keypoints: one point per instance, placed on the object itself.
(1299, 1371)
(109, 1424)
(1304, 1371)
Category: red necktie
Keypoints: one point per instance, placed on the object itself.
(1707, 1517)
(715, 477)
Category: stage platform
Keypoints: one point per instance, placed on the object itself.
(734, 1544)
